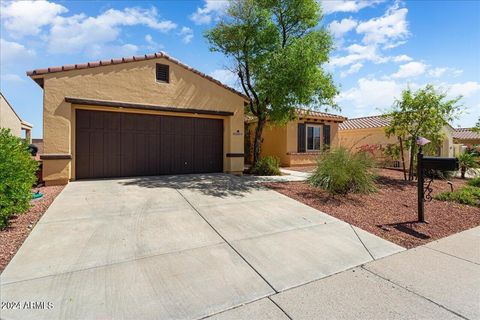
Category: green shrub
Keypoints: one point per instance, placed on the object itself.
(468, 195)
(467, 163)
(340, 171)
(17, 176)
(267, 166)
(475, 182)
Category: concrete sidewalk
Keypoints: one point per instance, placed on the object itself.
(440, 280)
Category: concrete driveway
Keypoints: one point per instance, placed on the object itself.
(174, 247)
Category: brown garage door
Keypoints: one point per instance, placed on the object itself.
(114, 144)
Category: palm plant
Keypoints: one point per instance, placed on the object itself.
(467, 163)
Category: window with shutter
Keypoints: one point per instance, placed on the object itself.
(162, 73)
(326, 135)
(301, 137)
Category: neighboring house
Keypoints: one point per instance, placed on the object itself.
(368, 133)
(10, 119)
(136, 116)
(39, 144)
(466, 137)
(300, 141)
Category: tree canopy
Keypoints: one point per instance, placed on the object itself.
(421, 113)
(277, 48)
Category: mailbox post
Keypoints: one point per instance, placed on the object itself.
(420, 183)
(430, 164)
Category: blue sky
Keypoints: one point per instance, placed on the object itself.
(381, 46)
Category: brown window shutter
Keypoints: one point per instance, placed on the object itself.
(163, 72)
(301, 137)
(326, 135)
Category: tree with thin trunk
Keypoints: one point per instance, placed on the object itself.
(277, 49)
(422, 113)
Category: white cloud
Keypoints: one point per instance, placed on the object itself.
(391, 26)
(377, 34)
(466, 89)
(12, 52)
(438, 72)
(373, 96)
(372, 93)
(338, 29)
(411, 69)
(402, 58)
(211, 10)
(80, 32)
(354, 68)
(358, 53)
(152, 44)
(225, 76)
(330, 6)
(11, 77)
(392, 45)
(187, 34)
(22, 18)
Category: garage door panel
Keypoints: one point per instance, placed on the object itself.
(167, 125)
(96, 121)
(140, 153)
(114, 144)
(83, 120)
(188, 153)
(166, 154)
(153, 154)
(112, 122)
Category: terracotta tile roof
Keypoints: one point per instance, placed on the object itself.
(318, 114)
(465, 134)
(101, 63)
(305, 113)
(365, 123)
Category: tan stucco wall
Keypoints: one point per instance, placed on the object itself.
(352, 139)
(281, 142)
(447, 144)
(274, 142)
(8, 118)
(135, 83)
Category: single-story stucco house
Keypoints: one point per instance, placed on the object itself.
(466, 137)
(369, 133)
(136, 116)
(300, 141)
(9, 119)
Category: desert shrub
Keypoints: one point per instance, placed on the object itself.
(475, 182)
(468, 195)
(267, 166)
(17, 176)
(340, 171)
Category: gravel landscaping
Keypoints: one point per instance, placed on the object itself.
(391, 213)
(21, 225)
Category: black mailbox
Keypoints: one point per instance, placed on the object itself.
(440, 163)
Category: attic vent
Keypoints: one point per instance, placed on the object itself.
(162, 73)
